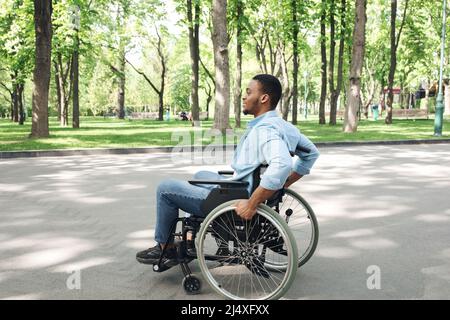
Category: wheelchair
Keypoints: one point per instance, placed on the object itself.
(245, 259)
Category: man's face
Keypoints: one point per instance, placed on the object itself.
(253, 98)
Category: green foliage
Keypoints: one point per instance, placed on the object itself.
(107, 29)
(113, 133)
(17, 38)
(180, 89)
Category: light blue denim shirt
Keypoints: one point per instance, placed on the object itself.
(270, 140)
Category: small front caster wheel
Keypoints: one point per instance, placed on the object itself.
(191, 285)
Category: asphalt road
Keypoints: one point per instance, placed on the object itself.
(70, 227)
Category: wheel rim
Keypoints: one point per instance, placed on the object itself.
(303, 224)
(240, 273)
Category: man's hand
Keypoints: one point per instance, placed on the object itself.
(245, 210)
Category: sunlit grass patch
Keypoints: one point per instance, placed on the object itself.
(114, 133)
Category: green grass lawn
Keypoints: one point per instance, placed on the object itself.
(114, 133)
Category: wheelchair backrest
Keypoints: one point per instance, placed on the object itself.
(257, 174)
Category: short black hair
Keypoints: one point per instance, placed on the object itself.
(270, 85)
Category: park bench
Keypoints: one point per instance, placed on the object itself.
(202, 115)
(144, 115)
(155, 115)
(410, 113)
(396, 113)
(339, 115)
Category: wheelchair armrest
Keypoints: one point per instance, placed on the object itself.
(300, 149)
(226, 172)
(222, 183)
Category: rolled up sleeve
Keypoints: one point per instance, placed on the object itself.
(276, 154)
(306, 161)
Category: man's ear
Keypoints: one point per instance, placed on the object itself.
(264, 98)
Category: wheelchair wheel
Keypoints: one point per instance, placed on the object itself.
(232, 253)
(300, 218)
(191, 285)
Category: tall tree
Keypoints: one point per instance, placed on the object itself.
(41, 78)
(239, 21)
(395, 40)
(354, 88)
(75, 80)
(272, 31)
(76, 68)
(63, 82)
(210, 87)
(62, 57)
(221, 64)
(323, 55)
(193, 15)
(162, 60)
(335, 91)
(294, 8)
(17, 42)
(117, 20)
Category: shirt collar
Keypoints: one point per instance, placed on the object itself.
(268, 114)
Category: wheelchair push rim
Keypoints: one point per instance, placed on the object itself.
(240, 273)
(300, 218)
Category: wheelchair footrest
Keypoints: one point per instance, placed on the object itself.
(165, 265)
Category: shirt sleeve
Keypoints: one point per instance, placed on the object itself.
(305, 161)
(276, 154)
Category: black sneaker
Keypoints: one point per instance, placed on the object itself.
(152, 255)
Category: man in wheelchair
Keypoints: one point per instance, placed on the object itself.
(268, 140)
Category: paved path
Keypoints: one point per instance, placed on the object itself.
(383, 208)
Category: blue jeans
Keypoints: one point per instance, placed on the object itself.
(172, 195)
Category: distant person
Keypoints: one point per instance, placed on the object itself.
(168, 114)
(183, 116)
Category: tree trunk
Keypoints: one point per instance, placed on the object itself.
(14, 98)
(294, 62)
(11, 96)
(20, 88)
(41, 76)
(354, 89)
(393, 65)
(161, 106)
(447, 96)
(323, 69)
(395, 39)
(121, 86)
(424, 105)
(61, 78)
(369, 99)
(238, 80)
(75, 82)
(287, 91)
(15, 103)
(209, 90)
(221, 63)
(195, 54)
(12, 105)
(382, 96)
(208, 101)
(162, 60)
(335, 93)
(331, 64)
(58, 89)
